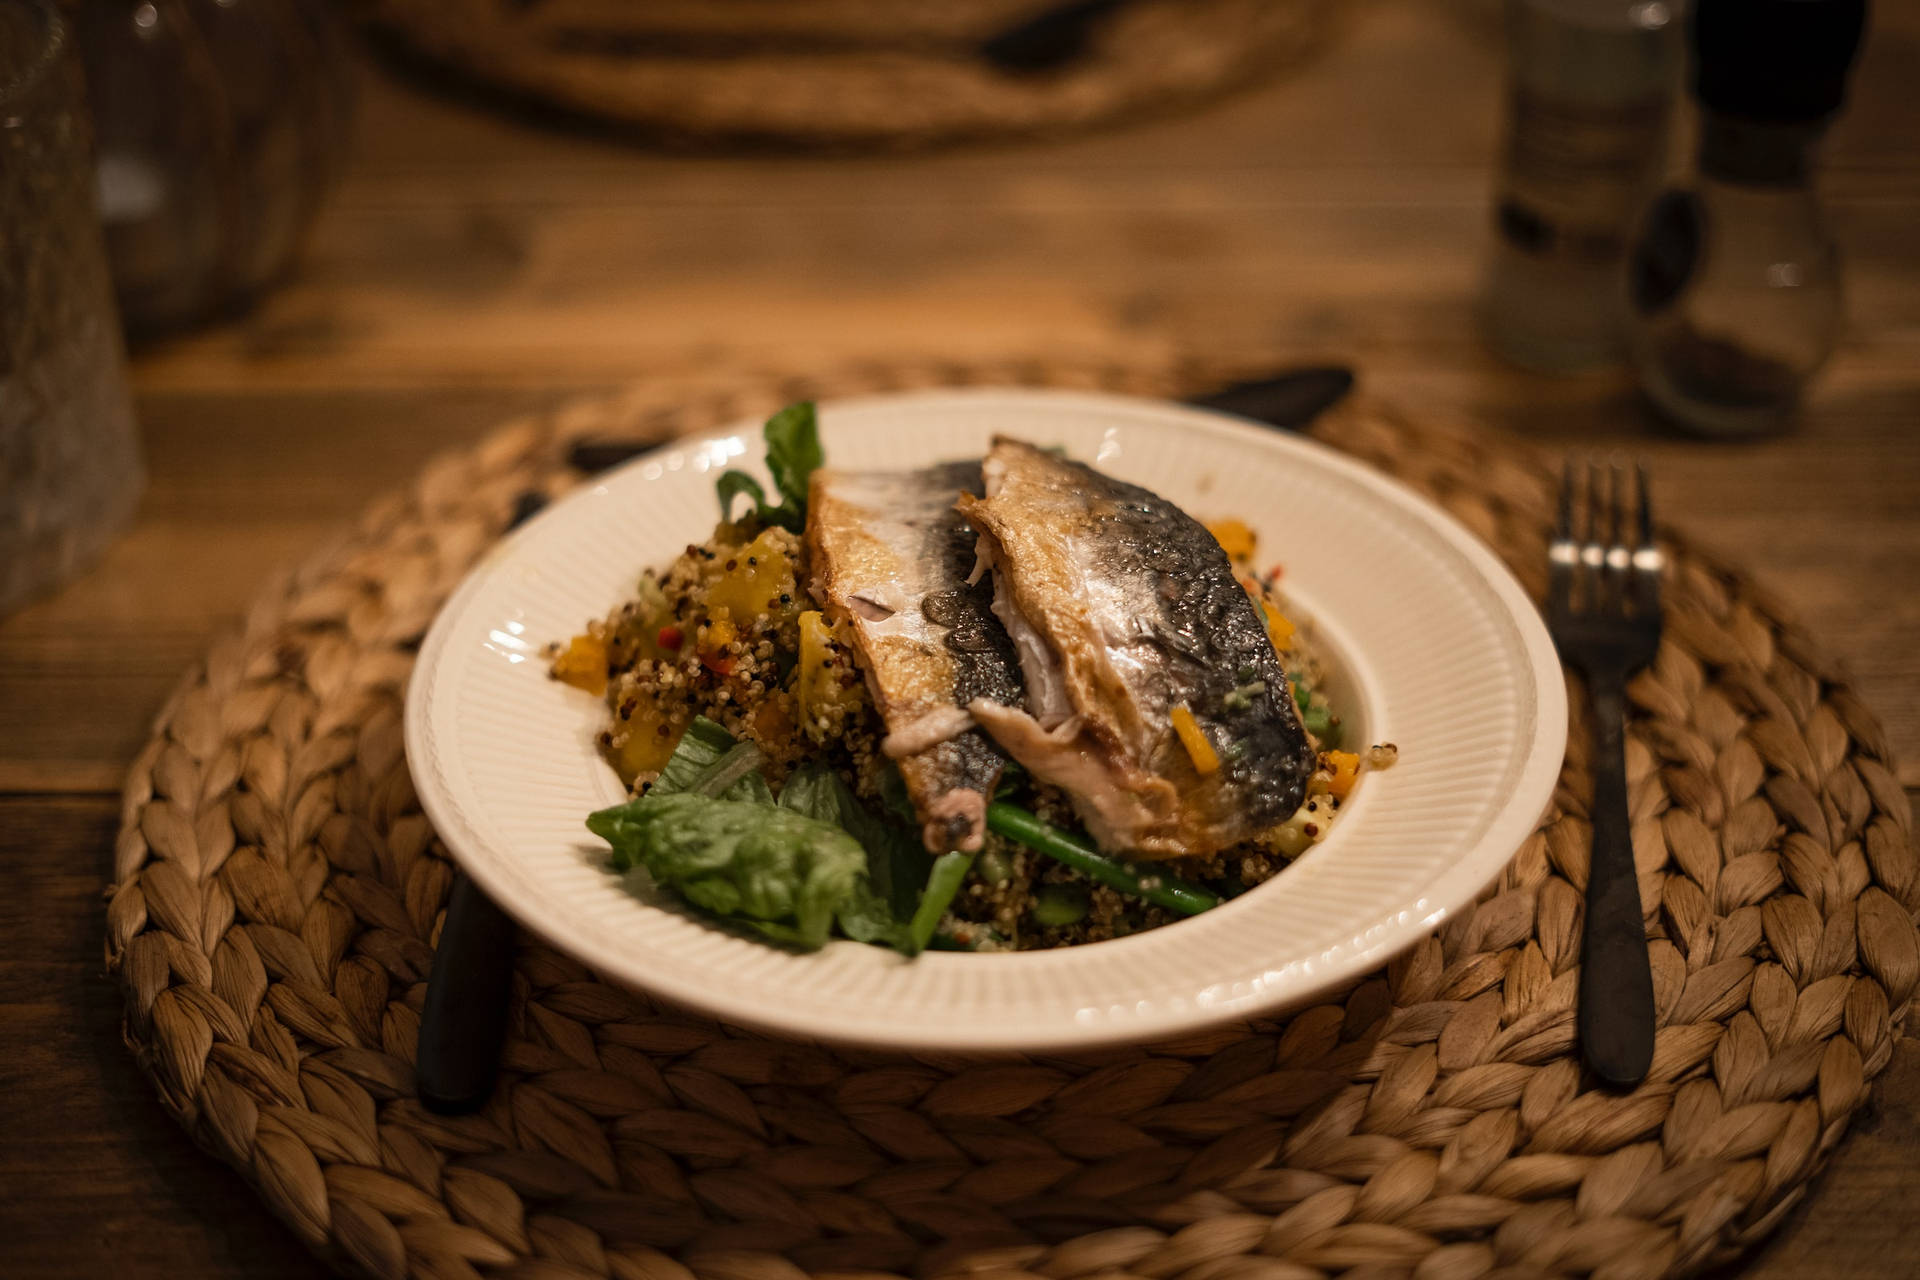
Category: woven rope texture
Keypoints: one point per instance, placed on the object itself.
(278, 893)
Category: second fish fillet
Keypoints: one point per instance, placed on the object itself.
(1154, 696)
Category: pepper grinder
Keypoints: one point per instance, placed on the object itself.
(1733, 282)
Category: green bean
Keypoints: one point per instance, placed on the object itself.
(1059, 904)
(943, 882)
(1157, 887)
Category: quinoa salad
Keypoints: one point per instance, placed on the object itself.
(863, 709)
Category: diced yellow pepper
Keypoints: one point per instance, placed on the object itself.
(1205, 759)
(1234, 537)
(644, 750)
(583, 664)
(752, 588)
(819, 684)
(1346, 771)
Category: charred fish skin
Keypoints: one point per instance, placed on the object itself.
(894, 561)
(1123, 608)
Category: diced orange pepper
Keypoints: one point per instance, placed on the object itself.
(1346, 771)
(1279, 630)
(583, 664)
(1234, 537)
(1205, 759)
(771, 723)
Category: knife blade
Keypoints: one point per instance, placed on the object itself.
(463, 1022)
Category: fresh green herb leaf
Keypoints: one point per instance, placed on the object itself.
(731, 485)
(793, 455)
(793, 452)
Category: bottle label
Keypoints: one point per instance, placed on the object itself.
(1573, 173)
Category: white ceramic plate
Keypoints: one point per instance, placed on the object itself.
(1434, 646)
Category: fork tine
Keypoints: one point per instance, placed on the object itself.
(1562, 555)
(1619, 558)
(1563, 531)
(1593, 557)
(1645, 505)
(1644, 579)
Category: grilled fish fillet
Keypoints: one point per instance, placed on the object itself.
(892, 558)
(1123, 608)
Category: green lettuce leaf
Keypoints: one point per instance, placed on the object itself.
(897, 863)
(757, 863)
(709, 829)
(709, 762)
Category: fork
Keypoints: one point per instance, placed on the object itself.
(1603, 608)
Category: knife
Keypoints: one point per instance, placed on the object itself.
(1050, 39)
(463, 1023)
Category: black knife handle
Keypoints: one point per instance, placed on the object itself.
(464, 1022)
(1291, 400)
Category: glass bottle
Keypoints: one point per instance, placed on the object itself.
(1590, 92)
(1734, 297)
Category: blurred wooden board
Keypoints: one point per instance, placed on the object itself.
(470, 269)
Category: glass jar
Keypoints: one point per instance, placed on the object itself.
(221, 124)
(1736, 294)
(1733, 283)
(70, 472)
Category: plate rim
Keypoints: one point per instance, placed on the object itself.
(1458, 884)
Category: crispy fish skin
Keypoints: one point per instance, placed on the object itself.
(892, 559)
(1122, 607)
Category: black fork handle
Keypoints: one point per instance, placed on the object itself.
(1616, 980)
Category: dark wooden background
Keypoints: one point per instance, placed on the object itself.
(471, 268)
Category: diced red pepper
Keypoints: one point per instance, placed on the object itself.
(670, 637)
(718, 663)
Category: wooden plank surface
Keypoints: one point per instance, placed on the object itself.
(471, 268)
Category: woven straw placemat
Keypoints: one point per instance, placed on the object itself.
(278, 893)
(860, 73)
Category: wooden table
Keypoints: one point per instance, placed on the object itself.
(471, 268)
